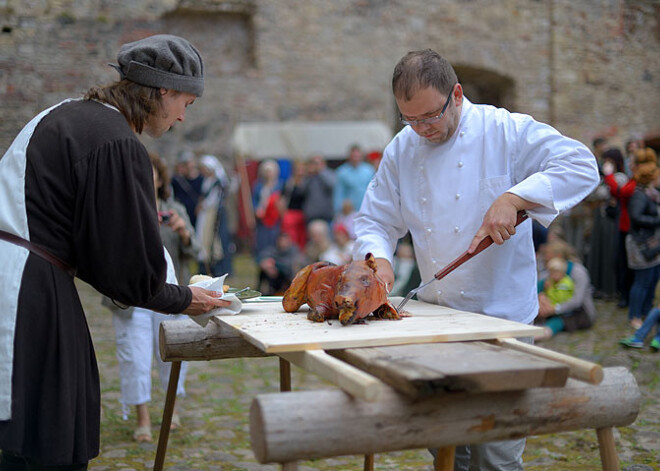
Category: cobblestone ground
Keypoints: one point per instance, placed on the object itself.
(215, 432)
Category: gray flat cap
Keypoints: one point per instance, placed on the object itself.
(162, 61)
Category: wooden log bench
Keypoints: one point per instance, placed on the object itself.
(285, 428)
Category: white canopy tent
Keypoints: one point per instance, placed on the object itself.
(299, 140)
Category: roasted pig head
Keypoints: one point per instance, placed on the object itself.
(348, 292)
(359, 292)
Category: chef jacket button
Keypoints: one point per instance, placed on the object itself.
(423, 200)
(439, 292)
(460, 164)
(458, 196)
(462, 133)
(428, 230)
(456, 229)
(462, 293)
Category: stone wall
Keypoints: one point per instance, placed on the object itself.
(589, 68)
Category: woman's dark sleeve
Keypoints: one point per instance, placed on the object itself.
(118, 246)
(636, 205)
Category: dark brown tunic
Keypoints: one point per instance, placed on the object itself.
(89, 201)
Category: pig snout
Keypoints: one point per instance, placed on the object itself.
(347, 303)
(351, 290)
(354, 295)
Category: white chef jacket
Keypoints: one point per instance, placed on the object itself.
(441, 192)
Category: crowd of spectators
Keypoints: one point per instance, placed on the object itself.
(313, 204)
(612, 239)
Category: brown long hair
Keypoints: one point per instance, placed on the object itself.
(161, 167)
(136, 102)
(646, 166)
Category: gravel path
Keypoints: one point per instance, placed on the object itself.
(215, 431)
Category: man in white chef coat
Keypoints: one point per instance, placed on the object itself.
(456, 173)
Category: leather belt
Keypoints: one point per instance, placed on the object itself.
(35, 249)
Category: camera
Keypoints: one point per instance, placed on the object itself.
(164, 216)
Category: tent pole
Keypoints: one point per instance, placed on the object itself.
(245, 193)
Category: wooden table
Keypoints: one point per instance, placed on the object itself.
(380, 360)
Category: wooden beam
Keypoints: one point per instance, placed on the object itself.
(608, 456)
(185, 340)
(170, 399)
(444, 460)
(425, 369)
(324, 423)
(285, 375)
(355, 382)
(579, 369)
(368, 463)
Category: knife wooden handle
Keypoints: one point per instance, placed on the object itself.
(483, 245)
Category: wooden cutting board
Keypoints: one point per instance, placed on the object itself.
(476, 367)
(271, 329)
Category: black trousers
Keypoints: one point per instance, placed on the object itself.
(13, 462)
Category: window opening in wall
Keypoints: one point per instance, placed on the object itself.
(486, 86)
(226, 35)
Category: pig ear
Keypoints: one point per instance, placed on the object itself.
(371, 261)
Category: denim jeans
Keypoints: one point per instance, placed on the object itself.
(642, 291)
(652, 319)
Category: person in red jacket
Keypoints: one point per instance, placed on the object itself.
(621, 188)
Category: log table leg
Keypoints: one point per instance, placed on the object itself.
(608, 456)
(170, 399)
(285, 375)
(444, 461)
(369, 462)
(285, 385)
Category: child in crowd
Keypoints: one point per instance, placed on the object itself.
(558, 288)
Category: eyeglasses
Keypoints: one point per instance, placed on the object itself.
(432, 119)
